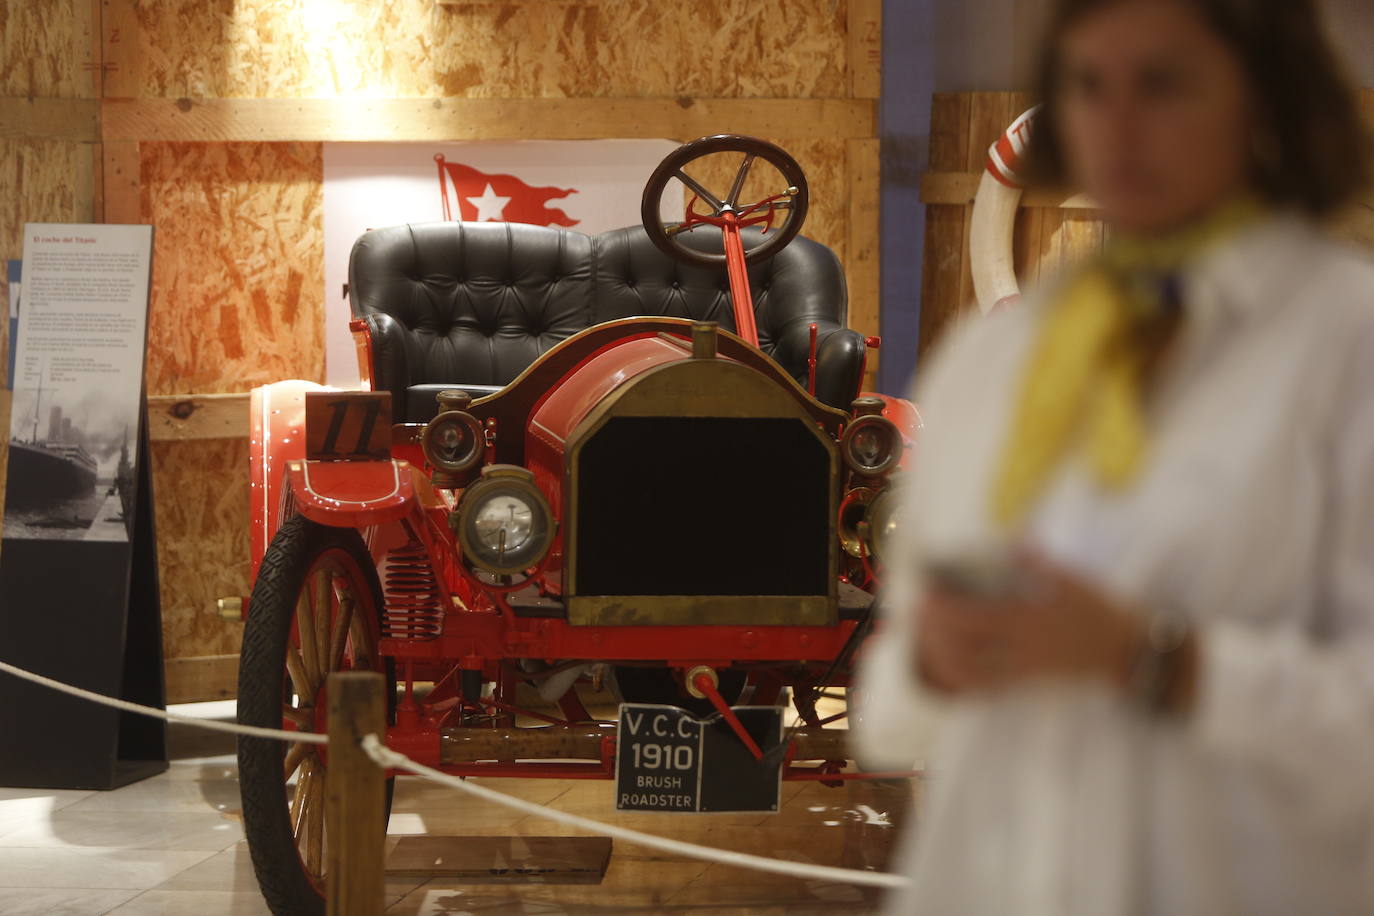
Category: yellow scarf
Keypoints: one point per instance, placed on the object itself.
(1087, 372)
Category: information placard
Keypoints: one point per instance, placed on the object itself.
(78, 568)
(669, 760)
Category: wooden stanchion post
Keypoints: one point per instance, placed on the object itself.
(355, 828)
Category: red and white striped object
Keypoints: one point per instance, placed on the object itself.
(1005, 156)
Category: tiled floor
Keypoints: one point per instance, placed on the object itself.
(173, 844)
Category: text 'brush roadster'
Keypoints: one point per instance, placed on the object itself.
(567, 469)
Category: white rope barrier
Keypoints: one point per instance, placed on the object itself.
(232, 728)
(385, 757)
(389, 759)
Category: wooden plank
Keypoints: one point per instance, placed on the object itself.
(120, 49)
(355, 789)
(83, 182)
(97, 159)
(120, 179)
(87, 47)
(198, 416)
(532, 49)
(865, 33)
(861, 251)
(182, 417)
(949, 114)
(397, 120)
(944, 238)
(959, 189)
(50, 119)
(493, 859)
(197, 679)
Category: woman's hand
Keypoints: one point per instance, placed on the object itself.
(1057, 626)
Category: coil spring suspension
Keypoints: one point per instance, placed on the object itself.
(414, 604)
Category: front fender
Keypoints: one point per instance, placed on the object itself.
(351, 494)
(358, 495)
(276, 437)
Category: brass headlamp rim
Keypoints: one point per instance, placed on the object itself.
(496, 478)
(894, 437)
(469, 461)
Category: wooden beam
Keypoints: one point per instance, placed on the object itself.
(959, 188)
(198, 678)
(945, 229)
(181, 417)
(50, 119)
(865, 48)
(862, 247)
(503, 859)
(119, 181)
(120, 41)
(398, 120)
(86, 47)
(355, 790)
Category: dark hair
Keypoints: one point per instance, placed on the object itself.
(1320, 155)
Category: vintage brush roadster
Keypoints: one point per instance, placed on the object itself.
(564, 470)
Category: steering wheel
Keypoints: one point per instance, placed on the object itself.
(781, 215)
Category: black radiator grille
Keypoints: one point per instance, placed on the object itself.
(703, 506)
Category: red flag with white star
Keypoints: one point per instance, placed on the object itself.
(484, 197)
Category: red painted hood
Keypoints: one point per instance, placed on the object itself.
(565, 407)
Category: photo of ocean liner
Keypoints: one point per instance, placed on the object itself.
(52, 469)
(73, 479)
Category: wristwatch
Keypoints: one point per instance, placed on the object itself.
(1158, 660)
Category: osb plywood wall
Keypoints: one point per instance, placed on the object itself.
(1048, 236)
(238, 288)
(42, 48)
(238, 301)
(416, 48)
(238, 280)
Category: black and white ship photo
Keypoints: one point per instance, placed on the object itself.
(70, 470)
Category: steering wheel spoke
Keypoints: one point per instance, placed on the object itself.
(740, 178)
(699, 190)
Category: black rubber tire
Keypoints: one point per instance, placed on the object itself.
(660, 686)
(285, 885)
(771, 153)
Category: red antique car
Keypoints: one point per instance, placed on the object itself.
(656, 502)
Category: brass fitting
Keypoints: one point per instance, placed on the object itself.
(704, 339)
(230, 608)
(692, 680)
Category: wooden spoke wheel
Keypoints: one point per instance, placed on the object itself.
(315, 610)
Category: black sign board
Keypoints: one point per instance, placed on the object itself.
(669, 760)
(78, 561)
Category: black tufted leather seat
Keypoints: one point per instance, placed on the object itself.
(471, 305)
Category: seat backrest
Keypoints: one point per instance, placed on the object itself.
(802, 283)
(478, 301)
(457, 303)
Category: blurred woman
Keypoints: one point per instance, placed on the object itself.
(1139, 572)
